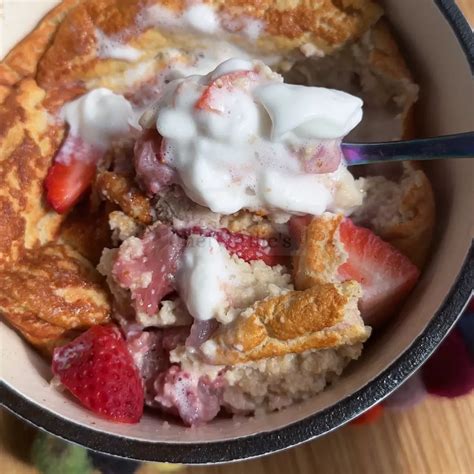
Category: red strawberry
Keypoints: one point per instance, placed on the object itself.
(156, 254)
(246, 247)
(386, 275)
(71, 174)
(297, 226)
(97, 369)
(242, 80)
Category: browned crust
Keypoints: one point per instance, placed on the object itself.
(28, 141)
(121, 191)
(23, 59)
(86, 230)
(31, 268)
(52, 290)
(325, 23)
(43, 335)
(55, 277)
(29, 273)
(319, 255)
(324, 316)
(64, 45)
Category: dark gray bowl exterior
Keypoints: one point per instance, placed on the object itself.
(298, 432)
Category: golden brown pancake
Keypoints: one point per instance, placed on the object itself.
(49, 291)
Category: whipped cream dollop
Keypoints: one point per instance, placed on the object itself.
(202, 276)
(203, 18)
(99, 117)
(309, 112)
(214, 284)
(240, 138)
(114, 48)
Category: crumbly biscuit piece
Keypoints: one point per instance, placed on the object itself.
(276, 382)
(320, 254)
(122, 227)
(402, 211)
(322, 317)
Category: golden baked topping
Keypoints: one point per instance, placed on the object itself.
(324, 316)
(121, 191)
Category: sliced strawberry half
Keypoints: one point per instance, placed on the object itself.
(246, 247)
(99, 371)
(237, 80)
(156, 256)
(385, 274)
(71, 174)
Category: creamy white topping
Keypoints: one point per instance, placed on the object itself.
(215, 285)
(234, 146)
(249, 27)
(204, 60)
(115, 49)
(214, 44)
(202, 18)
(309, 112)
(202, 276)
(99, 117)
(199, 17)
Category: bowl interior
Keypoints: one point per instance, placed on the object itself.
(442, 70)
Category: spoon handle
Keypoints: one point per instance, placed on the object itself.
(459, 145)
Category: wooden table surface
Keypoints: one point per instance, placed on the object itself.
(435, 437)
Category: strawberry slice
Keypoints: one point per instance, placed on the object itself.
(386, 275)
(156, 255)
(97, 368)
(71, 174)
(297, 227)
(227, 83)
(246, 247)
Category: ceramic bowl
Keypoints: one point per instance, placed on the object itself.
(439, 44)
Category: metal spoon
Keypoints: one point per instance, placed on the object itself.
(459, 145)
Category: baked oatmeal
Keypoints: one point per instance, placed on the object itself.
(195, 146)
